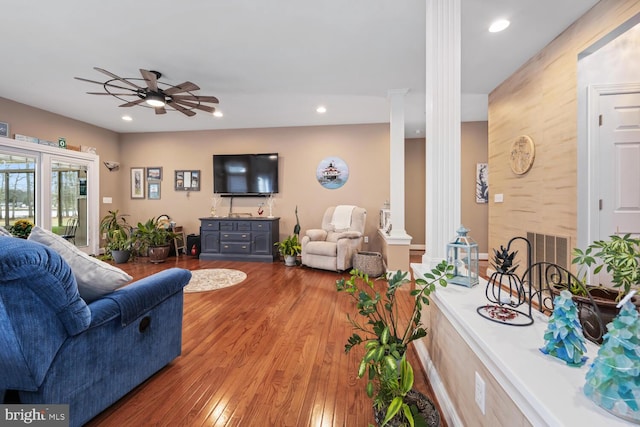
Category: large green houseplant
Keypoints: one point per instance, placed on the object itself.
(152, 238)
(117, 233)
(385, 337)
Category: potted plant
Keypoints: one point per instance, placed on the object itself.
(153, 238)
(385, 339)
(620, 257)
(289, 248)
(117, 232)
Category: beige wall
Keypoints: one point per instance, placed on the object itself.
(540, 100)
(474, 216)
(365, 149)
(415, 189)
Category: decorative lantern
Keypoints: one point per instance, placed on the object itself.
(462, 253)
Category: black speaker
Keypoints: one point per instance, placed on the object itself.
(193, 242)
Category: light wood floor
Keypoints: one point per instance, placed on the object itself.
(266, 352)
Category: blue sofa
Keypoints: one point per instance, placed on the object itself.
(56, 349)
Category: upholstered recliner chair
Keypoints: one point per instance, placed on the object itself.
(55, 348)
(332, 247)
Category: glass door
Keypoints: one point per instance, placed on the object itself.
(17, 188)
(69, 201)
(54, 188)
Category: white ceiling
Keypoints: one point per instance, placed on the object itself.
(269, 62)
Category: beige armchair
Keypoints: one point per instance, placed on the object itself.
(332, 247)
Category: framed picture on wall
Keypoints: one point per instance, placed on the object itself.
(154, 174)
(482, 183)
(153, 190)
(137, 183)
(4, 129)
(187, 180)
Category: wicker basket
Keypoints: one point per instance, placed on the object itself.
(369, 263)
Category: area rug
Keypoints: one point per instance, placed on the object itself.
(210, 279)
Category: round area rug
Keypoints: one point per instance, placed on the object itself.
(210, 279)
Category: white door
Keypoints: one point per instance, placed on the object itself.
(619, 164)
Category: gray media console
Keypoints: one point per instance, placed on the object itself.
(239, 239)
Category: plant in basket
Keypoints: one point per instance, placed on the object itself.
(385, 334)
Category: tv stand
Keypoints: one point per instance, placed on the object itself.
(239, 238)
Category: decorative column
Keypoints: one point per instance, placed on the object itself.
(397, 166)
(395, 246)
(442, 126)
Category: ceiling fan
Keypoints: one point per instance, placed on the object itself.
(149, 92)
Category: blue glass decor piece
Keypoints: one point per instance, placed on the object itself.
(613, 380)
(563, 337)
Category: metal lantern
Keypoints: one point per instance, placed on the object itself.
(462, 253)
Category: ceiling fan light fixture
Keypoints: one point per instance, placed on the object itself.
(217, 113)
(155, 100)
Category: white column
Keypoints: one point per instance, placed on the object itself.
(442, 126)
(396, 156)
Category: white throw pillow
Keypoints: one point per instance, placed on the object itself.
(95, 278)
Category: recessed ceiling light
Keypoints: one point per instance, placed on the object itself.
(218, 113)
(499, 25)
(127, 118)
(321, 109)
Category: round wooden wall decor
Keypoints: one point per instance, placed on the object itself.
(523, 152)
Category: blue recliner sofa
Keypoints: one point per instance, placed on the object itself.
(56, 349)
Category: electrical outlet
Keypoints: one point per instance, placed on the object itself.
(480, 392)
(366, 239)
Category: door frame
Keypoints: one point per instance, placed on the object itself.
(588, 232)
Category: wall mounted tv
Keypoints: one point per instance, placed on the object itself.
(245, 174)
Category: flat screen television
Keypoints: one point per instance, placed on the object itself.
(245, 174)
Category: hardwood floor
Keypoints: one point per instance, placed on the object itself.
(266, 352)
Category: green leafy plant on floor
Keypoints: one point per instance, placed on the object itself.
(289, 246)
(117, 232)
(150, 233)
(385, 338)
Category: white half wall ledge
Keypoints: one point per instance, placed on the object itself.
(544, 389)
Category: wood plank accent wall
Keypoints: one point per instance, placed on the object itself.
(540, 100)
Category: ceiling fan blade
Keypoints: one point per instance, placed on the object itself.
(182, 87)
(197, 98)
(102, 83)
(132, 103)
(112, 94)
(110, 74)
(160, 110)
(183, 110)
(151, 78)
(192, 105)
